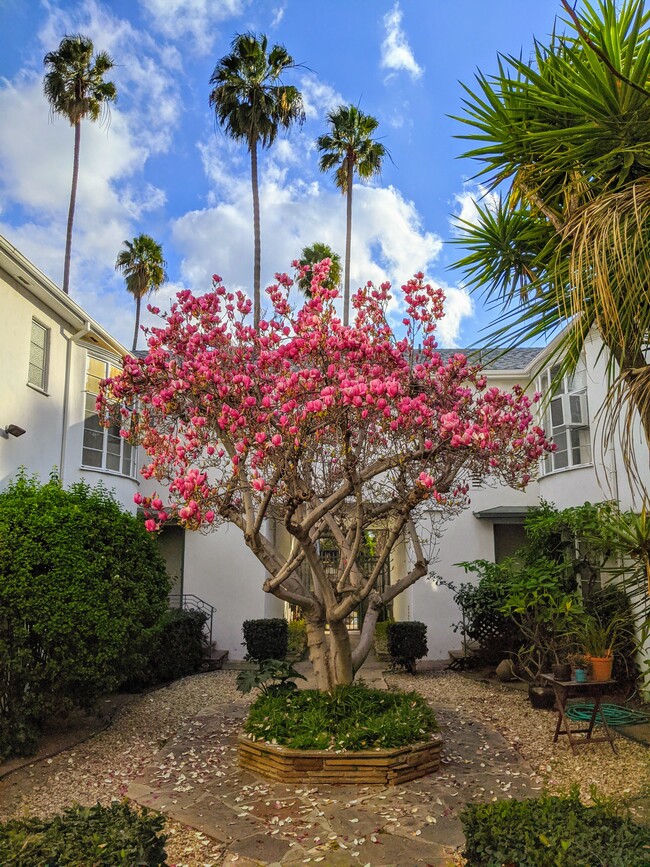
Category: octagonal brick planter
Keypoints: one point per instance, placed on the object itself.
(366, 767)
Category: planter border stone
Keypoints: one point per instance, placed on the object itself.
(383, 767)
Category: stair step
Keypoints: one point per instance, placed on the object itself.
(214, 660)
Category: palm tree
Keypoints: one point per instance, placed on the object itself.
(142, 264)
(565, 137)
(309, 257)
(251, 103)
(75, 88)
(348, 149)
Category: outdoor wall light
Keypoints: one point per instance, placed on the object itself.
(14, 430)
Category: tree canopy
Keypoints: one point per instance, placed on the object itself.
(330, 431)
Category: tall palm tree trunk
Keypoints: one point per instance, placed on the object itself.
(73, 198)
(257, 256)
(348, 246)
(138, 300)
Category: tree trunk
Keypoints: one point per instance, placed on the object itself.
(340, 655)
(73, 198)
(137, 323)
(348, 245)
(257, 256)
(319, 653)
(366, 639)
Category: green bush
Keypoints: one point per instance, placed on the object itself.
(178, 650)
(82, 592)
(267, 638)
(351, 718)
(558, 831)
(114, 836)
(297, 641)
(407, 642)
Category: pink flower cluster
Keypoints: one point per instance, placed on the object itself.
(231, 416)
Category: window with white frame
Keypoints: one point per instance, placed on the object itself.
(103, 448)
(566, 420)
(39, 342)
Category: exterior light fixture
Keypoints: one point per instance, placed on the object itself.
(14, 430)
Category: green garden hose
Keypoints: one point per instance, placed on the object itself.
(615, 715)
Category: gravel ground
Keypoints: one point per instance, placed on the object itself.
(626, 775)
(101, 768)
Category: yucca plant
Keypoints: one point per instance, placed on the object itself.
(565, 139)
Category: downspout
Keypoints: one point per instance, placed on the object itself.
(75, 338)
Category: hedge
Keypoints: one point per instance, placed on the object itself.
(178, 650)
(83, 589)
(407, 642)
(114, 836)
(557, 831)
(266, 638)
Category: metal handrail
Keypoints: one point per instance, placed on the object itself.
(190, 602)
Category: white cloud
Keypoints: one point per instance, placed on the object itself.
(278, 15)
(197, 19)
(318, 97)
(396, 53)
(388, 239)
(465, 204)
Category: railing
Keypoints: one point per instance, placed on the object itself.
(190, 602)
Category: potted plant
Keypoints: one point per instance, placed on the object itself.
(598, 640)
(580, 665)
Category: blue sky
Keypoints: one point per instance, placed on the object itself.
(160, 167)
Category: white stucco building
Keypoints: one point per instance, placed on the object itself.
(52, 356)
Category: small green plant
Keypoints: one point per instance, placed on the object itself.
(272, 677)
(407, 642)
(297, 639)
(114, 836)
(598, 637)
(578, 660)
(266, 638)
(350, 717)
(552, 832)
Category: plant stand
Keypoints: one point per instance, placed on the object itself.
(565, 689)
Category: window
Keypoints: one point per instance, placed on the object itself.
(103, 448)
(567, 420)
(38, 352)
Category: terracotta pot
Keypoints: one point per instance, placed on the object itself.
(601, 667)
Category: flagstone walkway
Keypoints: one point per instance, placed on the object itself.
(195, 779)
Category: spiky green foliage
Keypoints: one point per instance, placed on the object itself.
(565, 137)
(142, 264)
(252, 104)
(349, 149)
(75, 88)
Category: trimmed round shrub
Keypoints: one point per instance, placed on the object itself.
(114, 836)
(266, 638)
(407, 642)
(348, 718)
(83, 589)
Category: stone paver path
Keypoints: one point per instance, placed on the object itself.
(195, 779)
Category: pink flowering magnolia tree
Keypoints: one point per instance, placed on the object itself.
(333, 431)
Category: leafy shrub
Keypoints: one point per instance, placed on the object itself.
(297, 641)
(114, 836)
(82, 591)
(558, 831)
(350, 717)
(407, 642)
(272, 677)
(177, 651)
(267, 638)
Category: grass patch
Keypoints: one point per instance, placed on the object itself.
(349, 718)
